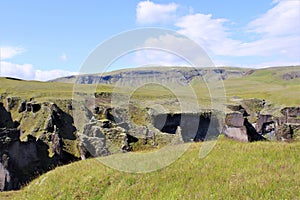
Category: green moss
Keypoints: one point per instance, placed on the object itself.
(71, 147)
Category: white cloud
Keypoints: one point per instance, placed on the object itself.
(282, 19)
(171, 50)
(209, 33)
(148, 12)
(24, 71)
(9, 52)
(52, 74)
(277, 32)
(157, 57)
(27, 72)
(63, 57)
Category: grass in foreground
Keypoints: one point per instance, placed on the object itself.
(233, 170)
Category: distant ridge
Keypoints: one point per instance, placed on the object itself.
(181, 75)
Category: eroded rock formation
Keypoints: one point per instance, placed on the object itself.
(36, 142)
(37, 136)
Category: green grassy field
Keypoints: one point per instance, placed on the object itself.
(232, 170)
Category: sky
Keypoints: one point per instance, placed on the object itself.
(43, 40)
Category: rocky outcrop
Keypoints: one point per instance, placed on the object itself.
(194, 126)
(290, 115)
(42, 137)
(238, 127)
(93, 140)
(283, 126)
(291, 75)
(286, 132)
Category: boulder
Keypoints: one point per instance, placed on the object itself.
(92, 129)
(234, 119)
(236, 133)
(93, 145)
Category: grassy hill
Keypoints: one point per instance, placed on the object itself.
(232, 170)
(267, 84)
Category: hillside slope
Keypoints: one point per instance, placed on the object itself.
(232, 170)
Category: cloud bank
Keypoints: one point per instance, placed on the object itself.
(25, 71)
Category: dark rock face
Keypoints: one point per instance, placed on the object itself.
(36, 107)
(21, 161)
(194, 126)
(252, 133)
(5, 118)
(17, 159)
(63, 121)
(22, 107)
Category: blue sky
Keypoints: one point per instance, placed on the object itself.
(42, 40)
